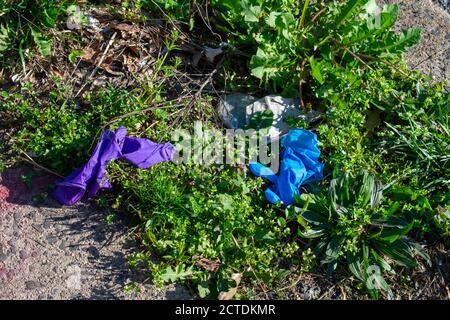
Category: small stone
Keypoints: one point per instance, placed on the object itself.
(10, 274)
(63, 245)
(17, 216)
(3, 255)
(3, 274)
(41, 297)
(38, 227)
(12, 245)
(52, 239)
(23, 254)
(47, 224)
(95, 254)
(32, 285)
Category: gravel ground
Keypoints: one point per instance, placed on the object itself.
(52, 252)
(445, 4)
(432, 54)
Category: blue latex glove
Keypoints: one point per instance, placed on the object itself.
(299, 165)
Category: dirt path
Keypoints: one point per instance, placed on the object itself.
(52, 252)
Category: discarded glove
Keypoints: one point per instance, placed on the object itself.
(143, 153)
(299, 165)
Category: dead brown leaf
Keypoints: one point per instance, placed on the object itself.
(88, 54)
(101, 15)
(228, 295)
(55, 72)
(207, 264)
(125, 27)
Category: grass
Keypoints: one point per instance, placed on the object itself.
(210, 226)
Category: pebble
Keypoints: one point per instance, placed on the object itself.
(13, 245)
(33, 215)
(47, 224)
(17, 216)
(32, 285)
(38, 227)
(63, 245)
(23, 254)
(3, 255)
(52, 239)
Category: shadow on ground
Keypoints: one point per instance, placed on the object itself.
(49, 251)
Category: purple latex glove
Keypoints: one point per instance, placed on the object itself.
(143, 153)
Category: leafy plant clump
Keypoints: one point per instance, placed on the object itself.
(353, 222)
(26, 22)
(207, 225)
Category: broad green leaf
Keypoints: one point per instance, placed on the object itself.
(179, 273)
(315, 218)
(316, 72)
(400, 43)
(74, 54)
(420, 250)
(259, 72)
(354, 264)
(44, 44)
(292, 211)
(264, 235)
(393, 233)
(331, 268)
(4, 38)
(203, 289)
(50, 15)
(271, 19)
(388, 18)
(333, 249)
(377, 194)
(377, 282)
(381, 262)
(347, 10)
(252, 13)
(261, 120)
(312, 233)
(399, 251)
